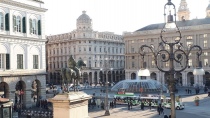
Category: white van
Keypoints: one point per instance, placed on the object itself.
(178, 105)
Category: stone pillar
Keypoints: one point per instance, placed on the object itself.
(70, 105)
(111, 77)
(184, 79)
(158, 77)
(98, 76)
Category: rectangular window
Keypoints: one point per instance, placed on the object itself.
(204, 35)
(132, 50)
(206, 61)
(89, 48)
(190, 62)
(133, 57)
(153, 63)
(205, 43)
(133, 64)
(167, 64)
(189, 43)
(19, 61)
(65, 49)
(35, 62)
(205, 53)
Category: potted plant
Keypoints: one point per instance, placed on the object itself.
(196, 99)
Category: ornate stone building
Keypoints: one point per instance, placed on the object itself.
(22, 51)
(93, 47)
(194, 32)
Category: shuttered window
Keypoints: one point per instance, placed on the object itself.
(14, 24)
(24, 24)
(19, 61)
(7, 61)
(35, 62)
(7, 22)
(39, 28)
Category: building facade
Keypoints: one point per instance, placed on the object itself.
(194, 32)
(22, 51)
(102, 52)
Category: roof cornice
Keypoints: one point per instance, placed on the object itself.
(22, 5)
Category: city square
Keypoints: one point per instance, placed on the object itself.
(53, 61)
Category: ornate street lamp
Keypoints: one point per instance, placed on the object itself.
(171, 51)
(106, 69)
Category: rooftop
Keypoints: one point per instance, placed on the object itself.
(183, 23)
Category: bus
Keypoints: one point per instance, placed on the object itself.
(123, 97)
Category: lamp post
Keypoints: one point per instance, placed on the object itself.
(171, 55)
(106, 68)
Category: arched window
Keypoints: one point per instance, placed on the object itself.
(33, 26)
(1, 21)
(16, 23)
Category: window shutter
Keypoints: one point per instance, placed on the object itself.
(14, 23)
(18, 67)
(21, 62)
(39, 27)
(30, 23)
(7, 22)
(7, 61)
(24, 24)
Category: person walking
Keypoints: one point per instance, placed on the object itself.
(128, 105)
(131, 104)
(150, 104)
(161, 110)
(158, 109)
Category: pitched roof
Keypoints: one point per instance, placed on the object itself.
(184, 23)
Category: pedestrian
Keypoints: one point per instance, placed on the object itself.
(142, 106)
(161, 110)
(131, 104)
(169, 116)
(158, 109)
(128, 106)
(150, 105)
(115, 103)
(34, 99)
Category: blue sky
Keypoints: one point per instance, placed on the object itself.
(112, 15)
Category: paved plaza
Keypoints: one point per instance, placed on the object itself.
(190, 111)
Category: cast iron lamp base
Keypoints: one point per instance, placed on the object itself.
(107, 113)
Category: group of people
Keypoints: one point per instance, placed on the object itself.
(188, 91)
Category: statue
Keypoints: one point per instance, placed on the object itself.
(72, 73)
